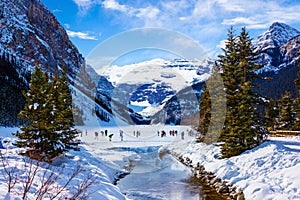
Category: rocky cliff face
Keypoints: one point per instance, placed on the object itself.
(30, 35)
(272, 46)
(279, 50)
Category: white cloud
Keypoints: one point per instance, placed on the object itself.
(56, 11)
(81, 35)
(84, 5)
(114, 5)
(206, 21)
(239, 20)
(222, 44)
(148, 12)
(67, 26)
(260, 14)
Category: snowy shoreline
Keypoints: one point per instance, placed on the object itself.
(268, 171)
(222, 188)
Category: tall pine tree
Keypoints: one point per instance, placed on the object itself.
(286, 115)
(243, 126)
(49, 130)
(63, 113)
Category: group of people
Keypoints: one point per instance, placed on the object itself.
(103, 133)
(137, 133)
(164, 134)
(175, 133)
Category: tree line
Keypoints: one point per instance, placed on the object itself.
(249, 115)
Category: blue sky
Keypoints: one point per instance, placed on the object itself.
(91, 22)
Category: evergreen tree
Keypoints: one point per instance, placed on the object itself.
(212, 107)
(296, 126)
(272, 114)
(49, 130)
(63, 115)
(243, 126)
(205, 111)
(286, 115)
(36, 113)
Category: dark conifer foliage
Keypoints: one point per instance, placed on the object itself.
(243, 128)
(212, 107)
(286, 116)
(48, 112)
(272, 114)
(297, 105)
(205, 111)
(11, 98)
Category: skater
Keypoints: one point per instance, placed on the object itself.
(110, 137)
(121, 135)
(102, 133)
(163, 134)
(182, 135)
(1, 145)
(96, 135)
(105, 132)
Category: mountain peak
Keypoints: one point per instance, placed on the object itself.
(277, 35)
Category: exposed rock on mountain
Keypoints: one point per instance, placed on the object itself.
(279, 50)
(30, 35)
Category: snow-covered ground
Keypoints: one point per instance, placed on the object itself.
(270, 171)
(98, 156)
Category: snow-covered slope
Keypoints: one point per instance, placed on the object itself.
(144, 88)
(278, 49)
(269, 171)
(271, 46)
(277, 35)
(30, 36)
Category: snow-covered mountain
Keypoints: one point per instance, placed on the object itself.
(158, 90)
(143, 89)
(279, 53)
(272, 46)
(149, 92)
(30, 35)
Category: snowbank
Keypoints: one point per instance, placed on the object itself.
(269, 171)
(90, 165)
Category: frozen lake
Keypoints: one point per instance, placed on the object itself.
(153, 176)
(158, 178)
